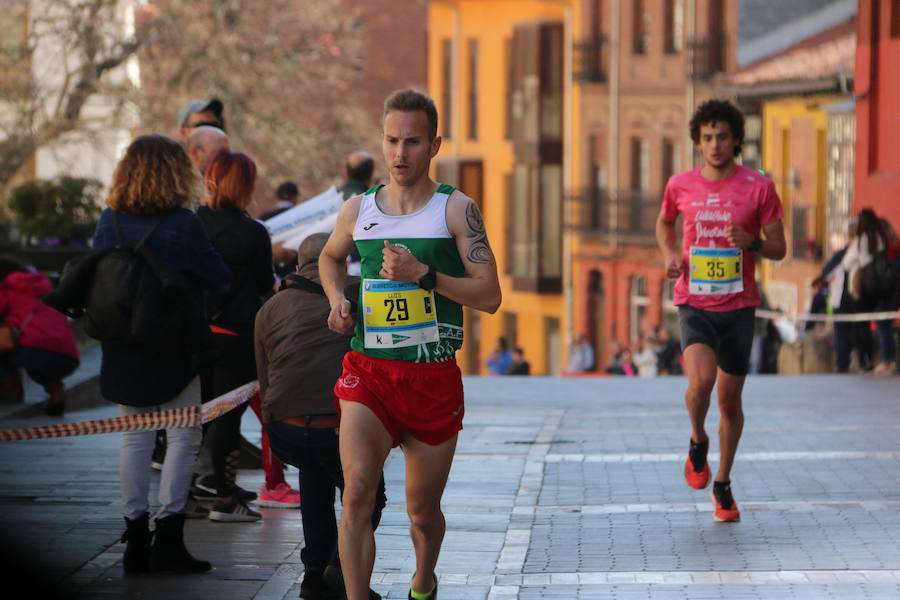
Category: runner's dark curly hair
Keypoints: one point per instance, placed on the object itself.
(712, 111)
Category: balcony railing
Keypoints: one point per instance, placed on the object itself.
(590, 59)
(628, 215)
(706, 56)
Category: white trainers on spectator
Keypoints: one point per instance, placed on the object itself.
(233, 510)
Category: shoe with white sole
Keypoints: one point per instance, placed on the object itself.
(280, 496)
(233, 510)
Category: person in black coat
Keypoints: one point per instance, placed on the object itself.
(245, 246)
(151, 189)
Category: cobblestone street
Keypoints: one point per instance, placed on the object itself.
(568, 488)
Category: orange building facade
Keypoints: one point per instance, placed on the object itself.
(501, 75)
(564, 119)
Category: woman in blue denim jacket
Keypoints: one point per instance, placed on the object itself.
(153, 184)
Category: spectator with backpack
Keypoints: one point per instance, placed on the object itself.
(246, 248)
(872, 280)
(151, 248)
(40, 340)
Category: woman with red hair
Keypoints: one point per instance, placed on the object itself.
(245, 246)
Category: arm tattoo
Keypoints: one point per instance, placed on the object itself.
(479, 251)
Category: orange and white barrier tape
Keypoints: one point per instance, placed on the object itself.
(843, 317)
(189, 416)
(229, 401)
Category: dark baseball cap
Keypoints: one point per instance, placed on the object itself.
(287, 190)
(194, 106)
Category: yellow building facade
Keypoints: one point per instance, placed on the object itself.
(794, 143)
(501, 75)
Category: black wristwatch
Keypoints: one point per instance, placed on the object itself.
(428, 280)
(756, 244)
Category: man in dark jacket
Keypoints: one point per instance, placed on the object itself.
(298, 360)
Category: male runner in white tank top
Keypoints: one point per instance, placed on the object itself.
(424, 255)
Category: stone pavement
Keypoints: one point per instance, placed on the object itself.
(566, 488)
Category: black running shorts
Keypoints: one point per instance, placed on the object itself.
(729, 333)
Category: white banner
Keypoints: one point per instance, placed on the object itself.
(299, 234)
(298, 222)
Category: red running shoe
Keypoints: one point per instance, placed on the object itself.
(281, 496)
(696, 469)
(725, 508)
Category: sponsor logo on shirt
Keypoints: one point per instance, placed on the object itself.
(713, 215)
(704, 218)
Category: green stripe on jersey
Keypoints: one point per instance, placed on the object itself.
(438, 252)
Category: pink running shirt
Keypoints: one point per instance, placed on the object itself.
(745, 198)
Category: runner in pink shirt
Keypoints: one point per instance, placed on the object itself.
(729, 214)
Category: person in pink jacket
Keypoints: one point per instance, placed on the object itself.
(46, 347)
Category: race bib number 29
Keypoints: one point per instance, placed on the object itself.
(716, 271)
(397, 314)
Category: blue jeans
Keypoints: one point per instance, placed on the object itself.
(315, 453)
(886, 340)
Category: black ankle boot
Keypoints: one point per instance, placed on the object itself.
(168, 552)
(137, 552)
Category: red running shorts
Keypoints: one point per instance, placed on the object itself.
(424, 399)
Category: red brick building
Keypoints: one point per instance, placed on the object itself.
(877, 87)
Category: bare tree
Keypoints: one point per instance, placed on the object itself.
(56, 58)
(285, 70)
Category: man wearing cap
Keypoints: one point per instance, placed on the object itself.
(200, 112)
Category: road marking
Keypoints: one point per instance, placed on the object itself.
(796, 506)
(518, 538)
(506, 585)
(742, 456)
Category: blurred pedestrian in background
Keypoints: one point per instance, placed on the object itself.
(200, 113)
(204, 144)
(519, 366)
(288, 195)
(500, 358)
(581, 356)
(668, 352)
(849, 336)
(358, 173)
(646, 360)
(871, 289)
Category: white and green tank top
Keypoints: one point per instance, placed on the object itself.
(399, 320)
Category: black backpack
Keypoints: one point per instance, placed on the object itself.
(879, 282)
(125, 293)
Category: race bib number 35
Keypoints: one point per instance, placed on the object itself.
(397, 314)
(716, 271)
